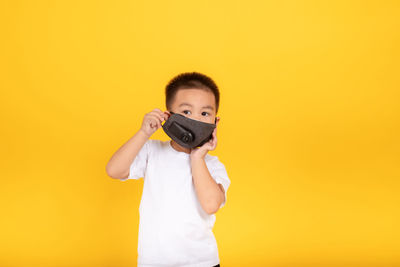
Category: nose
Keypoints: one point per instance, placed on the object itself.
(196, 118)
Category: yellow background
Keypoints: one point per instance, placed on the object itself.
(309, 130)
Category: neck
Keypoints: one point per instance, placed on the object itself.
(180, 148)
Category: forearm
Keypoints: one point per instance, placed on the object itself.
(208, 192)
(118, 165)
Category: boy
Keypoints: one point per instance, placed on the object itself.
(183, 187)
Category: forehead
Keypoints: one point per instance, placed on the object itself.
(194, 97)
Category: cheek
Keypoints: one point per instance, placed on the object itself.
(209, 120)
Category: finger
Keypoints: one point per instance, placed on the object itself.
(164, 115)
(215, 139)
(154, 121)
(153, 124)
(213, 145)
(213, 142)
(159, 116)
(214, 132)
(158, 112)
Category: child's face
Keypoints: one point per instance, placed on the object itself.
(195, 104)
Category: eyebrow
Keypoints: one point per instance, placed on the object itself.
(205, 107)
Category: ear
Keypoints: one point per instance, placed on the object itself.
(168, 113)
(217, 120)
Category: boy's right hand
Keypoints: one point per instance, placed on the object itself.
(152, 121)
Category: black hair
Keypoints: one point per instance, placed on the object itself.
(190, 80)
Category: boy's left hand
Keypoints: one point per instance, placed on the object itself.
(201, 152)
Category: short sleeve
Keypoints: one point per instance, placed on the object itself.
(137, 168)
(219, 174)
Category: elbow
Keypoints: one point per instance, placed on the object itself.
(114, 175)
(211, 211)
(109, 172)
(212, 208)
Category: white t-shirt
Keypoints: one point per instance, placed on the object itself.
(174, 230)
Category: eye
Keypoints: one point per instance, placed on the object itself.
(205, 113)
(185, 111)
